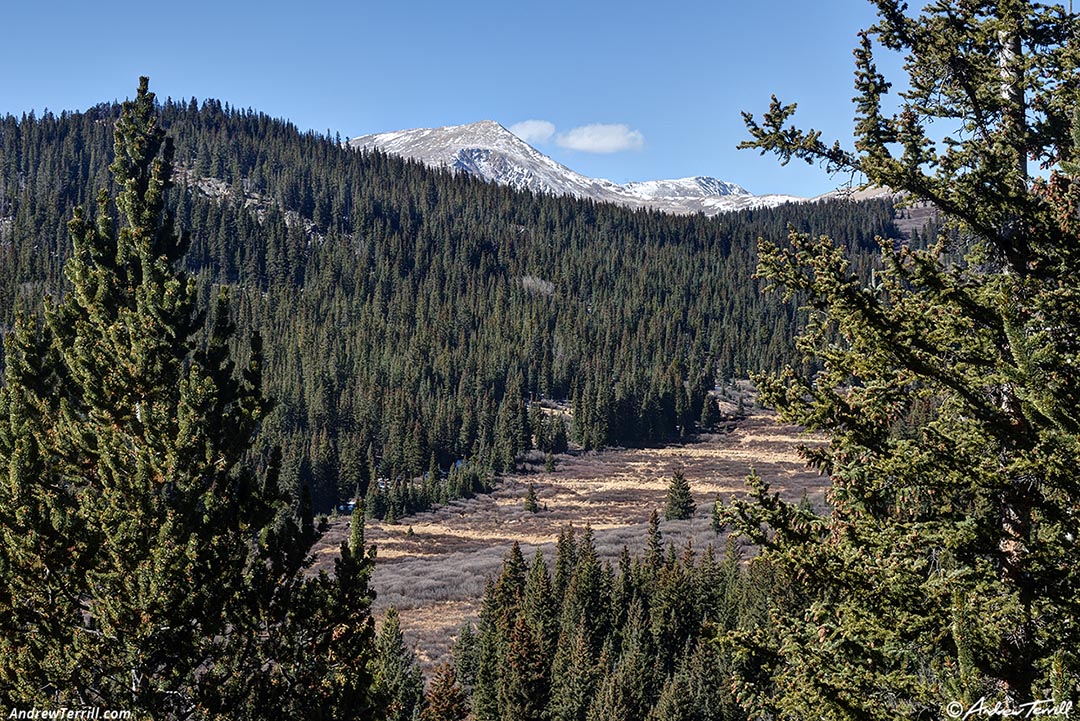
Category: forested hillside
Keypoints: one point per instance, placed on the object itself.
(410, 317)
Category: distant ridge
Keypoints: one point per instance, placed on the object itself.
(488, 150)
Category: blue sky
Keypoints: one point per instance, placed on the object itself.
(664, 81)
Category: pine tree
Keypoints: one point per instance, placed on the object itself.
(573, 675)
(559, 439)
(627, 691)
(676, 702)
(484, 700)
(710, 413)
(565, 561)
(445, 699)
(586, 594)
(948, 386)
(145, 566)
(680, 503)
(397, 672)
(510, 586)
(531, 504)
(508, 432)
(540, 609)
(673, 610)
(716, 516)
(307, 648)
(465, 657)
(524, 686)
(698, 689)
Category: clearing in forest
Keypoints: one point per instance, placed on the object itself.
(435, 574)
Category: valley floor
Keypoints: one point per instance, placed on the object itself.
(436, 575)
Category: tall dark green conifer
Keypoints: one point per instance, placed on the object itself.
(573, 674)
(525, 684)
(947, 568)
(397, 672)
(680, 503)
(541, 607)
(484, 700)
(465, 657)
(627, 692)
(654, 543)
(510, 586)
(531, 504)
(632, 643)
(565, 560)
(143, 562)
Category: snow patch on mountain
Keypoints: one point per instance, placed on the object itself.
(488, 150)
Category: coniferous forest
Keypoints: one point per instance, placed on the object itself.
(588, 641)
(411, 318)
(216, 326)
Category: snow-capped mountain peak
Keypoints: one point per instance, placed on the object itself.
(696, 187)
(490, 151)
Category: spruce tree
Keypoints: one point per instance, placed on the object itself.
(540, 607)
(484, 699)
(676, 702)
(145, 565)
(586, 594)
(710, 413)
(627, 692)
(445, 699)
(680, 503)
(565, 561)
(531, 504)
(525, 684)
(716, 516)
(574, 672)
(559, 440)
(510, 587)
(304, 645)
(947, 567)
(699, 688)
(465, 657)
(397, 672)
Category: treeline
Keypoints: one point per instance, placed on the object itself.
(582, 640)
(413, 319)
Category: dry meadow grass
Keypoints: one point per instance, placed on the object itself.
(436, 575)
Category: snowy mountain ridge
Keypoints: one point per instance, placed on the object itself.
(490, 151)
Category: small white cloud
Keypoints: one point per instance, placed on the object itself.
(533, 131)
(601, 138)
